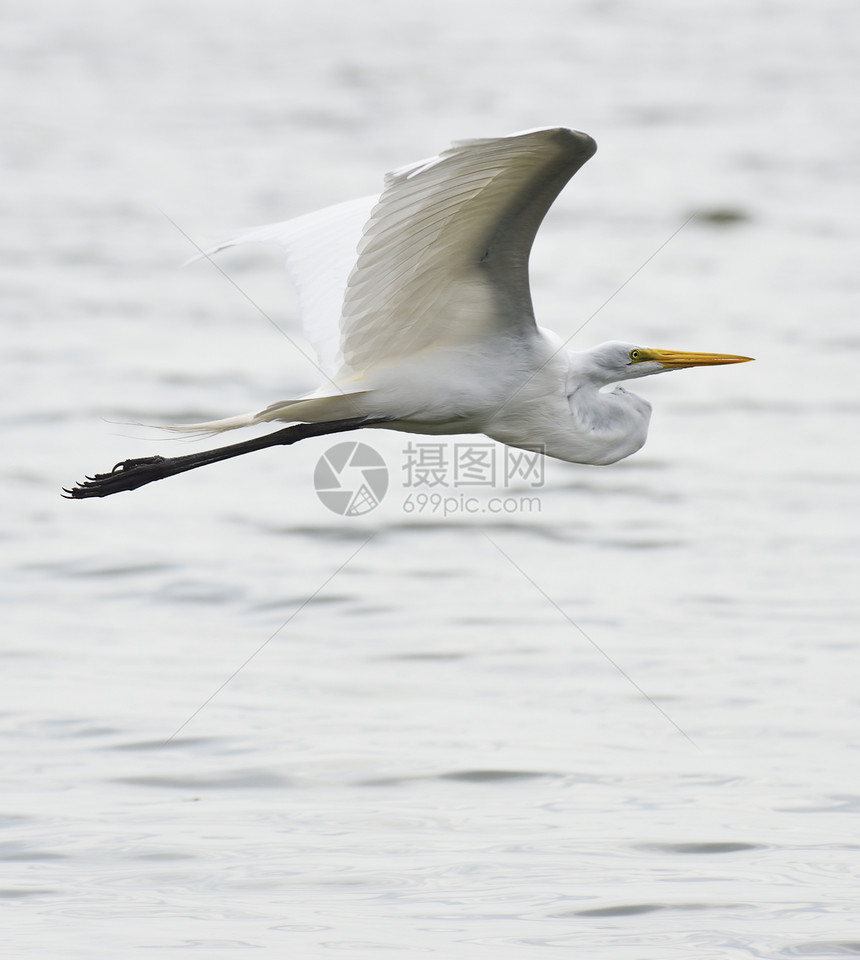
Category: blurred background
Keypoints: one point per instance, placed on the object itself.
(624, 721)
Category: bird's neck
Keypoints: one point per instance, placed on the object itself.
(611, 424)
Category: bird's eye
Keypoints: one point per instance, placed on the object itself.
(635, 355)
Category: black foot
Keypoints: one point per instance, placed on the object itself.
(128, 475)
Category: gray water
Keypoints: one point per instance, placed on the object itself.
(621, 722)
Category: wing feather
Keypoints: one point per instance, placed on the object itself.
(321, 250)
(441, 257)
(444, 254)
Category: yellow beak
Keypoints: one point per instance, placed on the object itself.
(676, 359)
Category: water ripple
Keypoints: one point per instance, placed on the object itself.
(462, 776)
(632, 909)
(226, 780)
(824, 948)
(695, 848)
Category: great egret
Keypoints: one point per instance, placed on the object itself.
(417, 302)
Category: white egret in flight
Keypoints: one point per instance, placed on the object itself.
(417, 302)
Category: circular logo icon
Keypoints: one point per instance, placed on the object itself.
(351, 478)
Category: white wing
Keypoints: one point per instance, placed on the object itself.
(444, 255)
(321, 249)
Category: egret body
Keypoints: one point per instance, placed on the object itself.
(417, 302)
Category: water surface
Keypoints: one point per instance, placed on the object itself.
(622, 723)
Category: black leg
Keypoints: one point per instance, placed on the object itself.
(131, 474)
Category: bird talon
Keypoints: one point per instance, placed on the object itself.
(125, 465)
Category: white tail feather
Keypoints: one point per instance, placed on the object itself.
(304, 410)
(211, 427)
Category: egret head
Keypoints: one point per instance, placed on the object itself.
(614, 361)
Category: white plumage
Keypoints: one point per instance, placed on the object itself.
(418, 304)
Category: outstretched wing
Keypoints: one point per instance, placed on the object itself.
(321, 252)
(441, 257)
(444, 254)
